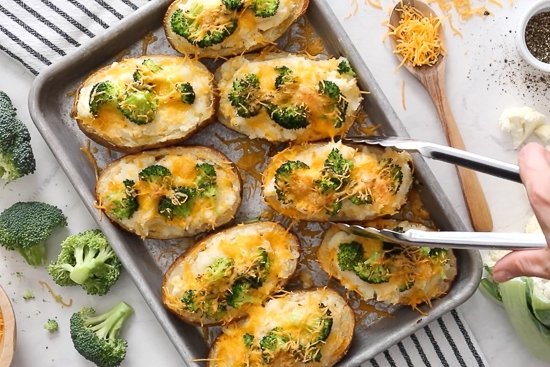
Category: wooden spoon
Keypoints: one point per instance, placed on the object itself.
(433, 79)
(7, 342)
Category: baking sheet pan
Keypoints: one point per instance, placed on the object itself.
(50, 102)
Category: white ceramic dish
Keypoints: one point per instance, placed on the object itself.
(536, 8)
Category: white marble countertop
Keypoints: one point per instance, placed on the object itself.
(485, 76)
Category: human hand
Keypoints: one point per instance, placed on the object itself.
(534, 167)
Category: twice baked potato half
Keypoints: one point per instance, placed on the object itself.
(221, 277)
(217, 28)
(385, 272)
(310, 328)
(285, 97)
(147, 102)
(170, 192)
(335, 182)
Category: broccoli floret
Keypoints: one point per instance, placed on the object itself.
(290, 117)
(285, 75)
(97, 337)
(244, 95)
(102, 94)
(345, 68)
(202, 35)
(146, 64)
(51, 325)
(233, 4)
(334, 208)
(265, 8)
(392, 172)
(259, 269)
(179, 204)
(248, 339)
(336, 173)
(372, 270)
(154, 173)
(188, 301)
(337, 100)
(16, 155)
(282, 178)
(139, 106)
(25, 226)
(240, 293)
(206, 180)
(361, 200)
(326, 324)
(88, 260)
(219, 268)
(187, 93)
(349, 255)
(125, 207)
(272, 342)
(28, 295)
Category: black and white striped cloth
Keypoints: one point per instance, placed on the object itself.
(38, 32)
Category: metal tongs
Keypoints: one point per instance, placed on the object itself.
(457, 240)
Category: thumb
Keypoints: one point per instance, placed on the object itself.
(533, 263)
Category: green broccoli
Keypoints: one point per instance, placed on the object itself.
(125, 206)
(139, 106)
(289, 117)
(28, 295)
(206, 180)
(361, 200)
(326, 324)
(51, 325)
(240, 293)
(271, 343)
(283, 178)
(219, 268)
(345, 68)
(392, 172)
(349, 255)
(312, 350)
(16, 155)
(248, 339)
(257, 273)
(102, 94)
(179, 204)
(25, 226)
(88, 260)
(97, 337)
(285, 76)
(154, 173)
(233, 4)
(188, 300)
(244, 95)
(372, 270)
(202, 35)
(334, 208)
(337, 100)
(146, 64)
(336, 172)
(265, 8)
(187, 92)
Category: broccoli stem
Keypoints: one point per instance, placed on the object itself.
(86, 263)
(108, 325)
(34, 255)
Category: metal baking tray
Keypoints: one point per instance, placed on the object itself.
(50, 103)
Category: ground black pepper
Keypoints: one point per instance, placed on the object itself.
(537, 36)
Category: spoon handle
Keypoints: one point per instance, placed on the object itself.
(476, 203)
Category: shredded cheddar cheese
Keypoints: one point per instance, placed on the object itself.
(417, 38)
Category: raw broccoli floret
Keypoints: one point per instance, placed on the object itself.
(187, 93)
(345, 68)
(86, 259)
(28, 295)
(206, 180)
(126, 206)
(16, 156)
(103, 93)
(332, 91)
(282, 178)
(179, 204)
(202, 35)
(233, 4)
(244, 95)
(372, 270)
(265, 8)
(25, 226)
(139, 106)
(51, 325)
(285, 75)
(290, 117)
(336, 172)
(349, 255)
(147, 64)
(154, 173)
(392, 172)
(97, 337)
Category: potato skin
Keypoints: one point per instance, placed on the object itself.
(167, 230)
(140, 140)
(292, 245)
(269, 36)
(334, 348)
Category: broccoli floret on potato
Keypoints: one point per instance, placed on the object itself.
(283, 180)
(233, 4)
(125, 206)
(291, 117)
(103, 94)
(179, 204)
(337, 100)
(392, 172)
(185, 24)
(336, 172)
(148, 65)
(244, 95)
(345, 68)
(349, 255)
(154, 173)
(187, 93)
(284, 76)
(265, 8)
(372, 270)
(206, 180)
(139, 106)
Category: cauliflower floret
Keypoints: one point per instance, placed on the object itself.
(521, 122)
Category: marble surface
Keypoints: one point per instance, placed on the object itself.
(485, 75)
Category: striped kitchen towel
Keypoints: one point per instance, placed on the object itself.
(38, 32)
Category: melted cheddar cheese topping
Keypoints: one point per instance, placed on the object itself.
(307, 75)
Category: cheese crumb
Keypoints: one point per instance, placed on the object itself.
(521, 122)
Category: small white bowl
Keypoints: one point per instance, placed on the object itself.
(536, 8)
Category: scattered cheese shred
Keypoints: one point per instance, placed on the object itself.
(354, 9)
(374, 4)
(403, 102)
(462, 7)
(455, 30)
(417, 37)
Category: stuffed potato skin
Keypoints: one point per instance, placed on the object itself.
(302, 328)
(387, 273)
(171, 192)
(220, 28)
(293, 97)
(335, 182)
(144, 103)
(255, 260)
